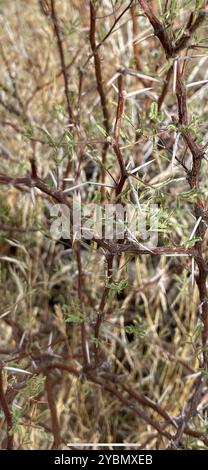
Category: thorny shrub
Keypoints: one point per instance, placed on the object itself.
(103, 341)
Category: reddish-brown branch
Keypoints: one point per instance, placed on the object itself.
(31, 182)
(197, 154)
(162, 34)
(91, 375)
(81, 77)
(62, 58)
(159, 29)
(110, 31)
(143, 400)
(135, 34)
(165, 88)
(84, 341)
(190, 29)
(193, 177)
(182, 99)
(100, 88)
(101, 313)
(125, 401)
(98, 70)
(131, 247)
(195, 149)
(6, 411)
(53, 410)
(120, 107)
(116, 146)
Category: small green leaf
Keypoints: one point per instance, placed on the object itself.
(48, 136)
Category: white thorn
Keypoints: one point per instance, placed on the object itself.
(195, 227)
